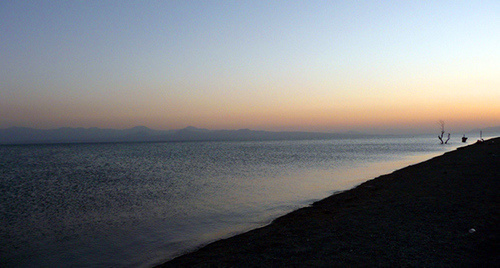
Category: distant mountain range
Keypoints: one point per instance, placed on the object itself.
(22, 135)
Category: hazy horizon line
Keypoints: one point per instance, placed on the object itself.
(395, 131)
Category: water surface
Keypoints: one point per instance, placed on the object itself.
(133, 204)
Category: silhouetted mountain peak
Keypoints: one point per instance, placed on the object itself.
(244, 130)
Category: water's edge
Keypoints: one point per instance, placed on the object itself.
(371, 172)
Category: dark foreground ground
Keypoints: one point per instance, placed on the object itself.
(442, 212)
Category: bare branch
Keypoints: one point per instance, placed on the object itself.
(446, 142)
(440, 137)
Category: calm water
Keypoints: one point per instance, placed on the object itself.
(138, 204)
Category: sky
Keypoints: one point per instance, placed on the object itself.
(330, 66)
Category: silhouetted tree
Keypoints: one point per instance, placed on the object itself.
(440, 137)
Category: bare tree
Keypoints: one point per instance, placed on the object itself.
(440, 137)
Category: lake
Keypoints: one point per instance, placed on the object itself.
(138, 204)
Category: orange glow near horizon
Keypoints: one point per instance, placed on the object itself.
(292, 110)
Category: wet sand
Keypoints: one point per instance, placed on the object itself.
(441, 212)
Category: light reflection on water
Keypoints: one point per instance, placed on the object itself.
(137, 204)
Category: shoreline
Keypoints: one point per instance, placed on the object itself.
(422, 214)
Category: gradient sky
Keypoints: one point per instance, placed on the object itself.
(375, 66)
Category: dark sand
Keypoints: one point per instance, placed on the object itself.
(421, 215)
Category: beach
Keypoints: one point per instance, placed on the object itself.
(441, 212)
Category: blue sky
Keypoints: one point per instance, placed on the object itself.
(275, 65)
